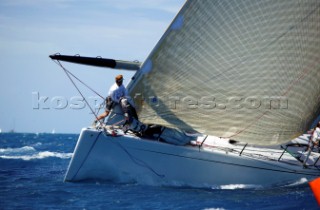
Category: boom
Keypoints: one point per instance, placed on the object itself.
(99, 62)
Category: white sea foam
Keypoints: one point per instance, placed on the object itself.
(213, 209)
(37, 144)
(237, 186)
(17, 150)
(299, 182)
(30, 153)
(39, 155)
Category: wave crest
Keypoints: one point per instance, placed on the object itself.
(17, 150)
(237, 186)
(30, 153)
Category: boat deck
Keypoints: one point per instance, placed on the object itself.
(293, 153)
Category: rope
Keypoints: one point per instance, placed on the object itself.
(101, 105)
(136, 160)
(116, 123)
(87, 155)
(58, 62)
(74, 84)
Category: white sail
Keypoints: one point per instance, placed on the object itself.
(242, 69)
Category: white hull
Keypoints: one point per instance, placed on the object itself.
(128, 158)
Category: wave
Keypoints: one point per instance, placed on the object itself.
(298, 182)
(17, 150)
(30, 153)
(147, 180)
(214, 209)
(236, 187)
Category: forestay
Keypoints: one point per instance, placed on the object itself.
(242, 69)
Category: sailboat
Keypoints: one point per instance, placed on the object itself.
(225, 97)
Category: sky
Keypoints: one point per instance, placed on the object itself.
(36, 95)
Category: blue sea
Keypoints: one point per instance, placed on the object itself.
(32, 168)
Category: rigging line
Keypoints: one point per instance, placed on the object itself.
(80, 81)
(74, 84)
(136, 160)
(116, 123)
(87, 155)
(84, 85)
(101, 105)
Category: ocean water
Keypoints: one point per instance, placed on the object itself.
(32, 168)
